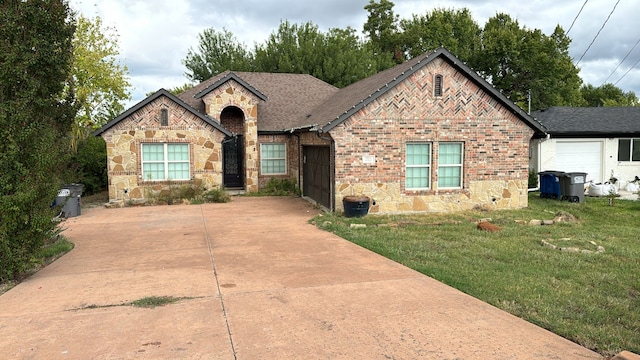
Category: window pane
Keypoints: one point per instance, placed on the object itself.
(178, 152)
(273, 158)
(624, 150)
(178, 171)
(450, 154)
(153, 171)
(418, 154)
(635, 154)
(417, 178)
(273, 167)
(449, 177)
(152, 152)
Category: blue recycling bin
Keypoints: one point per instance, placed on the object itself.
(550, 187)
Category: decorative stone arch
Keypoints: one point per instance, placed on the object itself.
(237, 110)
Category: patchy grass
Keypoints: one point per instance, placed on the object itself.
(590, 298)
(148, 302)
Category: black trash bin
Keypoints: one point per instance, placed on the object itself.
(355, 206)
(69, 199)
(550, 184)
(572, 184)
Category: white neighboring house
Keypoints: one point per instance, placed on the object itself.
(600, 141)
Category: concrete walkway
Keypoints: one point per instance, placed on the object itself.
(260, 282)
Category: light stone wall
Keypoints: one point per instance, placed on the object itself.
(124, 143)
(234, 94)
(390, 199)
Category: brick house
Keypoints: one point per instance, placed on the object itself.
(429, 135)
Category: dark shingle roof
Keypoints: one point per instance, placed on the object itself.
(289, 97)
(354, 97)
(590, 121)
(149, 99)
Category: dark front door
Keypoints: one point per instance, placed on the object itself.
(233, 170)
(317, 177)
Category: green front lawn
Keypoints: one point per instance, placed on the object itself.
(589, 297)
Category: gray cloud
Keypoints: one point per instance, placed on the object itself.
(155, 35)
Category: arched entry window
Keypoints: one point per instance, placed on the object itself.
(232, 118)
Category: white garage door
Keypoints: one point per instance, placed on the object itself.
(583, 156)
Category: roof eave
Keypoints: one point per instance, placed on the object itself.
(228, 77)
(153, 97)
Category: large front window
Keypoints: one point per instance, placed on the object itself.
(273, 160)
(629, 150)
(450, 165)
(165, 162)
(418, 166)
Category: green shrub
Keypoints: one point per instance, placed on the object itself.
(88, 166)
(216, 195)
(533, 179)
(279, 187)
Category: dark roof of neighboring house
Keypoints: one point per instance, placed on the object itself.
(287, 98)
(354, 97)
(149, 99)
(590, 121)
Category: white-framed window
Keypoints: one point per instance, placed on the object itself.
(450, 165)
(165, 161)
(418, 166)
(273, 159)
(628, 149)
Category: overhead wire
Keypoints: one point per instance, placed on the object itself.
(620, 63)
(576, 18)
(625, 74)
(598, 33)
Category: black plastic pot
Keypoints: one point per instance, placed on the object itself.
(356, 206)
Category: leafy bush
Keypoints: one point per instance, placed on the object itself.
(279, 187)
(216, 196)
(533, 179)
(88, 166)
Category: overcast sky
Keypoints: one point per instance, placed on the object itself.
(155, 35)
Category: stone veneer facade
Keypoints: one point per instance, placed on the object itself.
(495, 145)
(233, 94)
(124, 141)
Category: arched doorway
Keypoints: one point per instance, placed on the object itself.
(232, 118)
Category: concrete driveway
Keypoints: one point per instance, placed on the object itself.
(260, 283)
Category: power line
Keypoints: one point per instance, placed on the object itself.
(625, 74)
(620, 63)
(576, 18)
(595, 37)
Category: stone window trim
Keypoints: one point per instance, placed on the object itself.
(438, 85)
(142, 181)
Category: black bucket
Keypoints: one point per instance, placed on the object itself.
(355, 206)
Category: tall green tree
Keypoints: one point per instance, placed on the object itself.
(100, 81)
(35, 122)
(382, 31)
(608, 95)
(519, 61)
(454, 29)
(292, 49)
(217, 51)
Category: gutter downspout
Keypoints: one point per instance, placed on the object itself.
(332, 169)
(299, 162)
